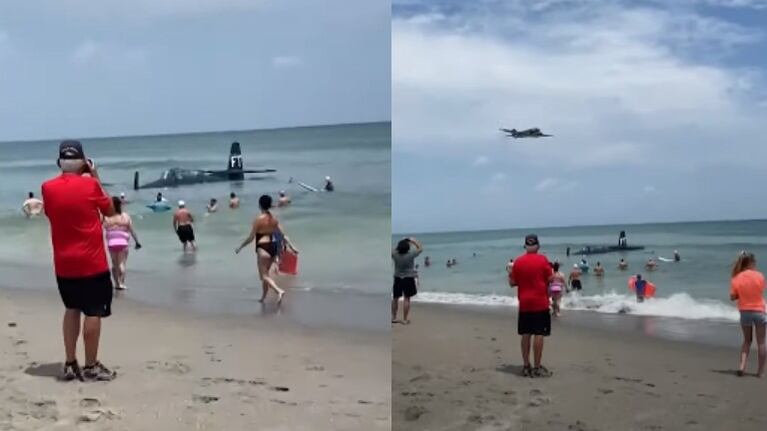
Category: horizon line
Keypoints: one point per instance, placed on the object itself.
(576, 226)
(154, 135)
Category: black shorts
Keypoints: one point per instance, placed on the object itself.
(404, 285)
(576, 285)
(185, 233)
(91, 295)
(534, 323)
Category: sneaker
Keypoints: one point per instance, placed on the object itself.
(72, 371)
(98, 372)
(541, 371)
(527, 371)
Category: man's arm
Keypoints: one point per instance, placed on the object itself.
(175, 222)
(101, 198)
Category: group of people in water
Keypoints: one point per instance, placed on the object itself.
(540, 285)
(266, 230)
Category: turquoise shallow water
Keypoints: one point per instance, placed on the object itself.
(695, 288)
(343, 236)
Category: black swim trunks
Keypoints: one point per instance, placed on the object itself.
(576, 285)
(534, 323)
(404, 285)
(91, 295)
(185, 233)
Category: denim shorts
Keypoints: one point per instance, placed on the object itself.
(751, 317)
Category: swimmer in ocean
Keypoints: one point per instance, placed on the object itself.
(32, 206)
(329, 187)
(182, 224)
(213, 205)
(234, 201)
(599, 270)
(575, 278)
(284, 200)
(623, 265)
(651, 264)
(677, 258)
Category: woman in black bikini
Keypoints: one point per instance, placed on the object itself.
(265, 226)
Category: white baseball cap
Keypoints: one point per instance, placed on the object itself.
(122, 194)
(181, 203)
(327, 178)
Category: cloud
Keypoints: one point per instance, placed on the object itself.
(498, 177)
(286, 61)
(618, 87)
(481, 161)
(555, 184)
(93, 53)
(149, 9)
(85, 52)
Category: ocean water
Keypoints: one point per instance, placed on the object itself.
(342, 236)
(696, 288)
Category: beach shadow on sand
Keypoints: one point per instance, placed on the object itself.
(510, 369)
(732, 372)
(51, 370)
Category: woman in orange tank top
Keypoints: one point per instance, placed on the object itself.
(747, 288)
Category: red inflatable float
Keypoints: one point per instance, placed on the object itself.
(649, 290)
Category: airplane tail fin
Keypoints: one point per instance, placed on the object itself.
(235, 162)
(135, 180)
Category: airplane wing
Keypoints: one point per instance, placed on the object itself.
(505, 130)
(240, 171)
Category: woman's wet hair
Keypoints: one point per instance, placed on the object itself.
(555, 266)
(265, 202)
(118, 204)
(232, 195)
(744, 261)
(403, 246)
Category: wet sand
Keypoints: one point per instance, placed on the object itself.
(456, 368)
(179, 370)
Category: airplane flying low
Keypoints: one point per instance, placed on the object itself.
(528, 133)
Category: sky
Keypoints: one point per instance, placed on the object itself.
(659, 111)
(91, 68)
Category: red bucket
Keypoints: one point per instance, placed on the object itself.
(288, 263)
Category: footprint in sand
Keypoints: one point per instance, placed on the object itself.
(279, 388)
(11, 324)
(178, 368)
(89, 403)
(537, 398)
(413, 413)
(605, 391)
(205, 399)
(315, 368)
(422, 377)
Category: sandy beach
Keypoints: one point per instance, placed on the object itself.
(178, 370)
(456, 368)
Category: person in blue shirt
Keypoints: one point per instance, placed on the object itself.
(639, 286)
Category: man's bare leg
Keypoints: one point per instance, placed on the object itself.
(525, 344)
(406, 309)
(71, 328)
(745, 348)
(91, 335)
(394, 306)
(537, 350)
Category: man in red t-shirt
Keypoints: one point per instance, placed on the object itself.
(75, 203)
(531, 274)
